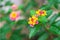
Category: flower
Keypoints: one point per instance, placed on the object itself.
(14, 7)
(41, 12)
(14, 15)
(32, 21)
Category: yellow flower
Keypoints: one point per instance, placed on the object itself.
(13, 15)
(33, 20)
(41, 12)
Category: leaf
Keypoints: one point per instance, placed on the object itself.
(57, 24)
(16, 34)
(56, 5)
(34, 30)
(53, 18)
(58, 1)
(49, 12)
(4, 30)
(8, 3)
(1, 5)
(57, 38)
(17, 30)
(43, 36)
(2, 11)
(32, 12)
(21, 22)
(1, 19)
(21, 7)
(28, 6)
(51, 2)
(9, 11)
(34, 3)
(42, 19)
(6, 18)
(45, 7)
(54, 30)
(15, 37)
(1, 0)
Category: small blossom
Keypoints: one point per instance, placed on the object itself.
(14, 16)
(14, 7)
(33, 21)
(41, 12)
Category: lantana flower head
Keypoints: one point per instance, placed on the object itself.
(14, 7)
(41, 12)
(14, 15)
(33, 20)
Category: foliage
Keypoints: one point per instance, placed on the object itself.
(46, 29)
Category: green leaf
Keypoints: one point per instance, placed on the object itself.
(57, 24)
(34, 30)
(57, 38)
(20, 7)
(17, 30)
(15, 37)
(32, 12)
(1, 5)
(21, 22)
(9, 11)
(43, 36)
(54, 30)
(42, 19)
(34, 3)
(4, 30)
(49, 12)
(56, 5)
(28, 6)
(51, 2)
(1, 19)
(2, 11)
(58, 1)
(7, 19)
(16, 34)
(8, 3)
(53, 18)
(1, 0)
(45, 7)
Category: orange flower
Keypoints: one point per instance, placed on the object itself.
(32, 21)
(41, 12)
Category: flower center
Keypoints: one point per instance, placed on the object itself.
(41, 12)
(14, 15)
(32, 19)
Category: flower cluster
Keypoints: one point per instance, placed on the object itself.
(14, 14)
(41, 12)
(14, 7)
(34, 19)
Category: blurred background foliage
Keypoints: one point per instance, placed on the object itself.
(50, 29)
